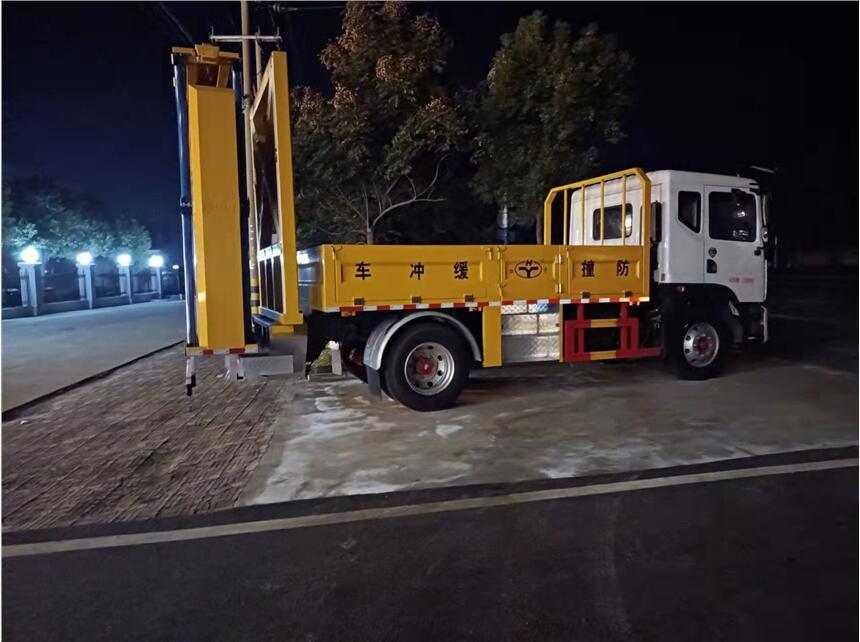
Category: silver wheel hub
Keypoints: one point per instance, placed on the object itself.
(429, 368)
(701, 344)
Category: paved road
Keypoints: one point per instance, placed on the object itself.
(813, 321)
(758, 549)
(44, 354)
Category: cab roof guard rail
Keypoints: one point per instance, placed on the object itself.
(582, 186)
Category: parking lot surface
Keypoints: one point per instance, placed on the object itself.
(131, 445)
(547, 421)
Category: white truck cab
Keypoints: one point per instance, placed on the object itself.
(712, 232)
(708, 233)
(708, 229)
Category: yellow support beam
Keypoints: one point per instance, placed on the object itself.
(603, 354)
(604, 323)
(215, 198)
(491, 326)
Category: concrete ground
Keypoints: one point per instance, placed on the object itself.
(549, 421)
(553, 420)
(44, 354)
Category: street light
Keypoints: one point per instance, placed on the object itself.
(86, 284)
(30, 255)
(126, 286)
(175, 266)
(156, 261)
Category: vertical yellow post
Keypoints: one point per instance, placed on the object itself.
(491, 325)
(565, 239)
(624, 211)
(215, 197)
(602, 209)
(547, 217)
(582, 209)
(286, 200)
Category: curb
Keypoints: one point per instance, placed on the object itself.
(12, 413)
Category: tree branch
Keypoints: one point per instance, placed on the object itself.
(392, 186)
(402, 203)
(347, 201)
(429, 189)
(366, 206)
(423, 196)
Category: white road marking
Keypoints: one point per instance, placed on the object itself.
(328, 519)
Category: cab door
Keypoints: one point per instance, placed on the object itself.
(734, 255)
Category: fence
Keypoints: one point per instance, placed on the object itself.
(36, 289)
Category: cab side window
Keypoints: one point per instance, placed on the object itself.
(731, 216)
(690, 210)
(612, 222)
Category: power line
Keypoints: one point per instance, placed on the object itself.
(175, 22)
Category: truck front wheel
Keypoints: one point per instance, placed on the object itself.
(426, 366)
(698, 348)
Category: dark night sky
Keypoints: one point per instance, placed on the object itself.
(87, 89)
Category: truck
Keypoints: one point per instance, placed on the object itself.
(633, 265)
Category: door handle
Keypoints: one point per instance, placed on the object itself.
(712, 266)
(758, 250)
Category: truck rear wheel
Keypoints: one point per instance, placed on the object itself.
(698, 348)
(426, 367)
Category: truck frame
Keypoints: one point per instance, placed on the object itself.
(632, 265)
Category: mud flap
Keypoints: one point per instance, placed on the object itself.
(374, 384)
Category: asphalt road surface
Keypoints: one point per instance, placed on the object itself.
(44, 354)
(756, 549)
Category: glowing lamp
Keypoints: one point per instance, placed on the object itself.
(30, 255)
(84, 258)
(156, 261)
(123, 260)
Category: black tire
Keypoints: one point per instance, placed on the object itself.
(440, 338)
(683, 356)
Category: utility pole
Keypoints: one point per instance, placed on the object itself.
(258, 58)
(247, 95)
(248, 92)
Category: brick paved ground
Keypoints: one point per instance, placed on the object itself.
(133, 446)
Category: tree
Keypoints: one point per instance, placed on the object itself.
(62, 222)
(550, 104)
(16, 232)
(379, 145)
(132, 237)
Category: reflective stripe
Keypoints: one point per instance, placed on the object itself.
(482, 304)
(205, 352)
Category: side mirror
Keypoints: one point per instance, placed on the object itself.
(765, 234)
(767, 200)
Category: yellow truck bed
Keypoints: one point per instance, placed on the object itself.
(355, 278)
